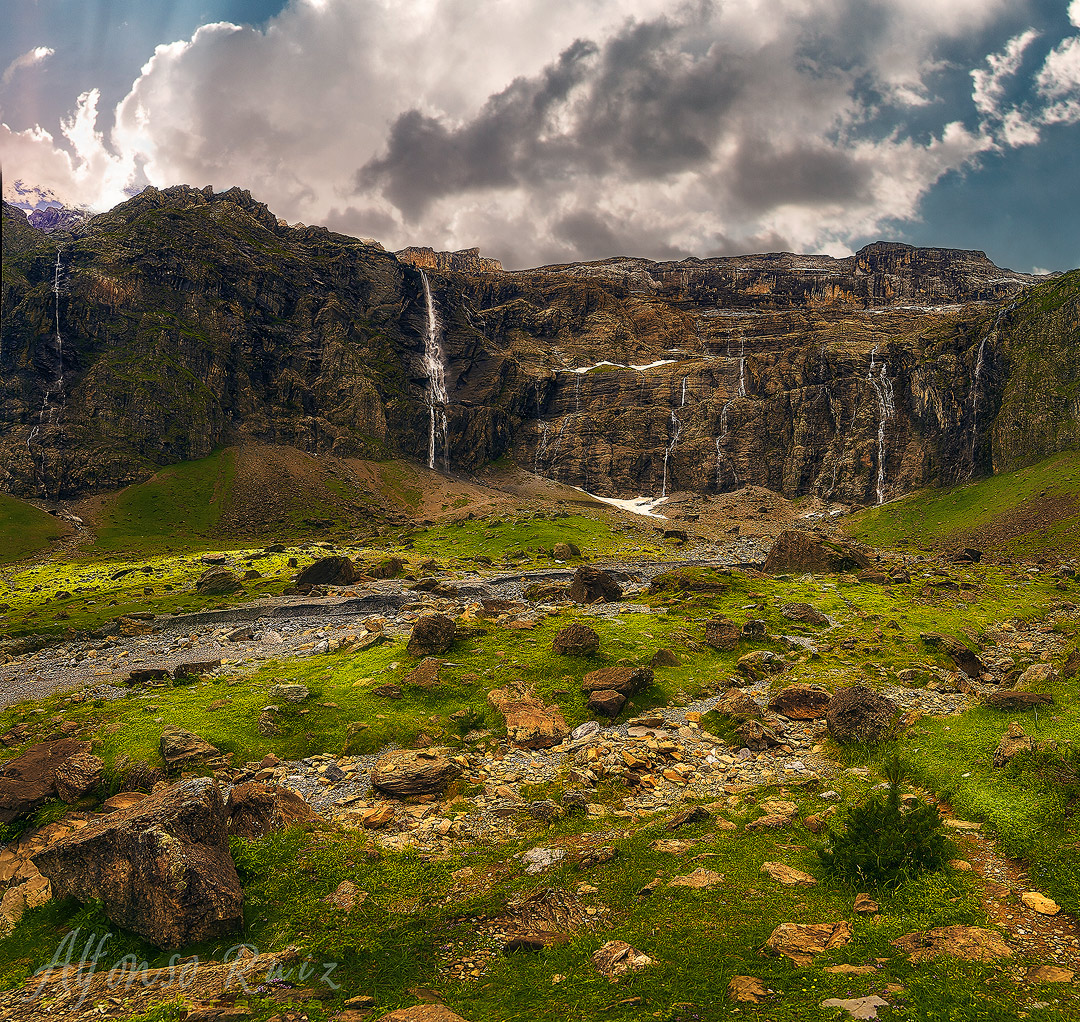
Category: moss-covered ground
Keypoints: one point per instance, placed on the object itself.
(422, 913)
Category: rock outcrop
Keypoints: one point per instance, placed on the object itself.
(31, 779)
(161, 868)
(856, 378)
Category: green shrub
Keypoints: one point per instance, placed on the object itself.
(881, 844)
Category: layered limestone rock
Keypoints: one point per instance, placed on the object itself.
(184, 320)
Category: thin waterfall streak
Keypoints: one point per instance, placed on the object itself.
(435, 371)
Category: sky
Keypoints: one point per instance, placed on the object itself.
(553, 130)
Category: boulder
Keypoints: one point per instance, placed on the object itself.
(289, 693)
(529, 723)
(759, 664)
(434, 633)
(423, 772)
(960, 655)
(218, 581)
(757, 737)
(77, 776)
(803, 613)
(805, 553)
(1018, 700)
(255, 809)
(665, 658)
(787, 875)
(859, 714)
(161, 868)
(617, 958)
(721, 633)
(622, 677)
(593, 585)
(801, 942)
(1012, 742)
(576, 640)
(391, 567)
(738, 705)
(606, 702)
(564, 551)
(30, 779)
(1038, 674)
(179, 748)
(801, 702)
(329, 571)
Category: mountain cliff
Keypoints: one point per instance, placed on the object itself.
(185, 319)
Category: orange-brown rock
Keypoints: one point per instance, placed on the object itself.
(529, 723)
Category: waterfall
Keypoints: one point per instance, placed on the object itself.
(883, 388)
(435, 371)
(742, 367)
(52, 404)
(577, 393)
(676, 427)
(683, 399)
(979, 361)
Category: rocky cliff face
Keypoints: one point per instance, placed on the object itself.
(183, 320)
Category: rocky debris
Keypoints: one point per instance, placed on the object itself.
(1040, 903)
(346, 896)
(722, 633)
(606, 703)
(218, 581)
(576, 640)
(617, 958)
(747, 990)
(801, 552)
(1016, 700)
(537, 860)
(30, 779)
(180, 748)
(534, 940)
(1013, 741)
(964, 658)
(77, 776)
(699, 880)
(255, 809)
(857, 1007)
(18, 900)
(423, 772)
(422, 1013)
(289, 693)
(161, 868)
(760, 664)
(787, 875)
(859, 714)
(971, 943)
(801, 702)
(737, 705)
(329, 571)
(529, 723)
(434, 633)
(593, 585)
(803, 613)
(801, 942)
(622, 677)
(425, 675)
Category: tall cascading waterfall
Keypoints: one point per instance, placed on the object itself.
(682, 401)
(52, 404)
(435, 371)
(883, 388)
(673, 439)
(979, 362)
(721, 440)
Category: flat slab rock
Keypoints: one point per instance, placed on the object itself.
(802, 941)
(617, 958)
(423, 1013)
(161, 868)
(529, 723)
(857, 1007)
(422, 772)
(970, 943)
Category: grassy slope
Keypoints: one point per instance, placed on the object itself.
(1026, 513)
(26, 530)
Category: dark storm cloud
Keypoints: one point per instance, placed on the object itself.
(644, 104)
(767, 175)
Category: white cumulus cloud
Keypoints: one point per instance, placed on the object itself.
(27, 59)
